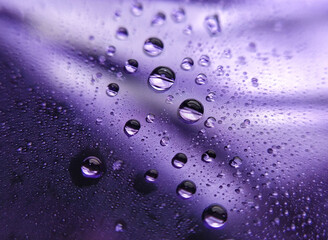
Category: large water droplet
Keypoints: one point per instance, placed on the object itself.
(112, 89)
(131, 127)
(136, 8)
(215, 216)
(212, 24)
(92, 167)
(235, 162)
(178, 15)
(159, 19)
(209, 156)
(186, 189)
(131, 66)
(122, 33)
(201, 79)
(161, 79)
(187, 64)
(179, 160)
(151, 175)
(190, 111)
(153, 46)
(204, 61)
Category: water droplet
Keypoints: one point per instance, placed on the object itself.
(112, 89)
(187, 30)
(161, 79)
(210, 122)
(212, 24)
(186, 189)
(136, 9)
(211, 97)
(131, 66)
(255, 82)
(111, 51)
(120, 226)
(245, 123)
(187, 63)
(151, 175)
(190, 111)
(179, 160)
(201, 79)
(122, 33)
(169, 99)
(159, 19)
(204, 61)
(209, 156)
(215, 216)
(92, 167)
(178, 15)
(99, 121)
(153, 46)
(235, 162)
(150, 118)
(117, 165)
(165, 141)
(131, 127)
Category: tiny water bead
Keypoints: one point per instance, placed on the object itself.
(255, 82)
(111, 51)
(201, 79)
(209, 156)
(161, 79)
(212, 24)
(204, 61)
(215, 216)
(190, 111)
(122, 33)
(186, 189)
(112, 89)
(235, 162)
(187, 64)
(151, 175)
(178, 15)
(159, 19)
(165, 141)
(131, 66)
(153, 46)
(92, 167)
(131, 127)
(179, 160)
(136, 9)
(210, 122)
(150, 118)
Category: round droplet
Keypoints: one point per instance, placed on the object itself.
(111, 51)
(187, 30)
(190, 111)
(92, 167)
(131, 127)
(169, 99)
(204, 61)
(120, 226)
(210, 122)
(159, 19)
(211, 97)
(136, 9)
(150, 118)
(201, 79)
(255, 82)
(215, 216)
(179, 160)
(153, 46)
(117, 165)
(178, 15)
(151, 175)
(131, 66)
(235, 162)
(165, 141)
(186, 189)
(161, 79)
(212, 24)
(122, 33)
(187, 64)
(209, 156)
(112, 89)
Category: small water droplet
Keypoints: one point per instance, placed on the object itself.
(117, 165)
(131, 66)
(122, 33)
(201, 79)
(187, 63)
(178, 15)
(169, 99)
(150, 118)
(92, 167)
(120, 226)
(179, 160)
(204, 61)
(151, 175)
(187, 30)
(211, 97)
(209, 156)
(212, 24)
(161, 79)
(131, 127)
(111, 51)
(235, 162)
(153, 46)
(215, 216)
(190, 111)
(112, 89)
(159, 19)
(186, 189)
(136, 8)
(165, 141)
(210, 122)
(99, 121)
(255, 82)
